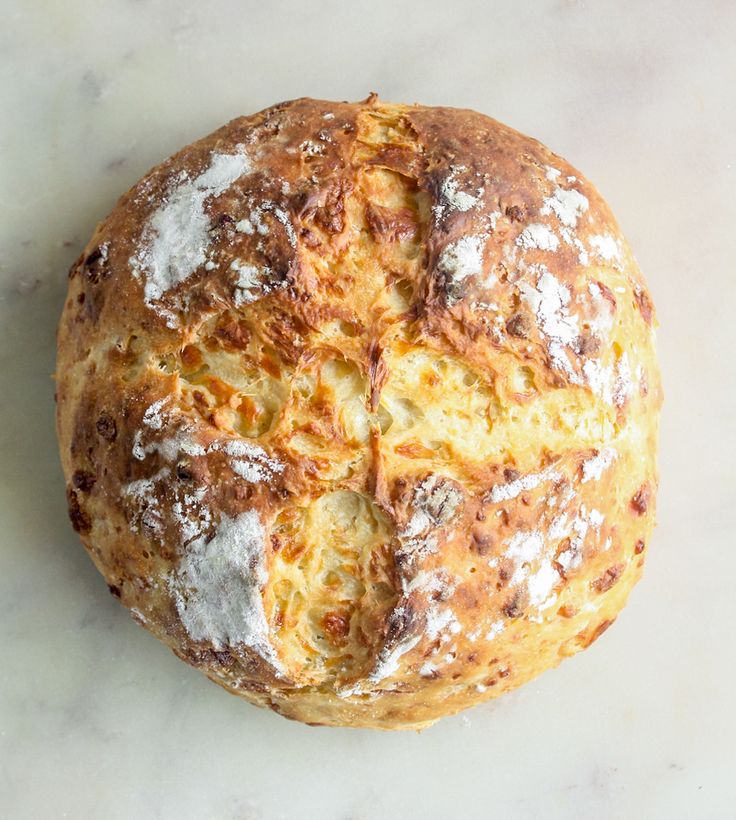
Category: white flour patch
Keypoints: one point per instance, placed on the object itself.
(440, 619)
(434, 505)
(496, 628)
(248, 284)
(153, 416)
(175, 239)
(606, 247)
(549, 301)
(250, 461)
(594, 467)
(540, 585)
(191, 514)
(454, 198)
(567, 206)
(623, 386)
(461, 259)
(538, 236)
(524, 547)
(427, 669)
(388, 660)
(602, 320)
(599, 379)
(217, 587)
(505, 492)
(147, 512)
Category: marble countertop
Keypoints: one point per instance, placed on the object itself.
(97, 719)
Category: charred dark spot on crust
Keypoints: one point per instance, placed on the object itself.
(519, 325)
(588, 344)
(277, 542)
(401, 623)
(83, 481)
(114, 590)
(210, 657)
(511, 474)
(608, 579)
(95, 267)
(644, 303)
(279, 257)
(80, 520)
(184, 472)
(480, 542)
(106, 427)
(608, 295)
(514, 607)
(309, 238)
(76, 266)
(515, 213)
(640, 501)
(639, 547)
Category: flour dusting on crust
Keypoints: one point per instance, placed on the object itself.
(217, 587)
(435, 503)
(174, 242)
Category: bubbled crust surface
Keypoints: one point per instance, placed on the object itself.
(379, 444)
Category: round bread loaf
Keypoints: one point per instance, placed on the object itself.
(358, 406)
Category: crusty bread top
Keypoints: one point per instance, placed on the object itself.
(358, 408)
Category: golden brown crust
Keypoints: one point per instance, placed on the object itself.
(358, 409)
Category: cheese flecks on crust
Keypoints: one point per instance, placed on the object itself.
(174, 242)
(399, 446)
(217, 587)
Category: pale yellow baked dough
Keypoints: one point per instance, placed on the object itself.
(357, 407)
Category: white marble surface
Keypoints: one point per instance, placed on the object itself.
(97, 720)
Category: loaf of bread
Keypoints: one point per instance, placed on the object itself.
(358, 407)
